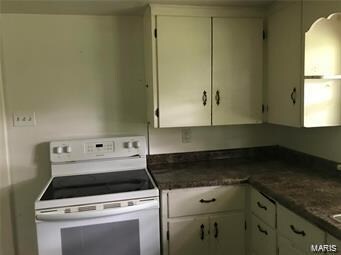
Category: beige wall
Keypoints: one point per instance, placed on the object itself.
(83, 76)
(6, 233)
(321, 142)
(211, 138)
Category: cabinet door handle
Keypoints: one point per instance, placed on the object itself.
(207, 201)
(204, 97)
(216, 230)
(262, 230)
(217, 97)
(298, 232)
(202, 232)
(262, 206)
(293, 96)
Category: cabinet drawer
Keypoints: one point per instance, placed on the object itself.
(286, 247)
(193, 201)
(263, 207)
(263, 237)
(298, 230)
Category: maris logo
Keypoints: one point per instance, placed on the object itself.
(322, 248)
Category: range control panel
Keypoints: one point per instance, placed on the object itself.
(88, 149)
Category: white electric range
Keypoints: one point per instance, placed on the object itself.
(100, 200)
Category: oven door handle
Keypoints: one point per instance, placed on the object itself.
(55, 216)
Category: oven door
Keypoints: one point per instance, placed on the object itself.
(135, 232)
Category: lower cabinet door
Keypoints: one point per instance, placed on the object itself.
(189, 236)
(227, 234)
(263, 238)
(285, 247)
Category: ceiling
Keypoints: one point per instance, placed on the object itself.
(108, 7)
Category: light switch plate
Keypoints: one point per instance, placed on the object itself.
(24, 119)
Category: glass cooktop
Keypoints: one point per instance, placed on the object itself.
(97, 184)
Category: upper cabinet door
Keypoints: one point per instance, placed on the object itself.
(184, 71)
(237, 71)
(285, 64)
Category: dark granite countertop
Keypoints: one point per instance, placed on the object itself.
(311, 192)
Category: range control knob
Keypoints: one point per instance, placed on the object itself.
(128, 145)
(137, 144)
(58, 150)
(67, 149)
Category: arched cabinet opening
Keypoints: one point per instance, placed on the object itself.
(322, 72)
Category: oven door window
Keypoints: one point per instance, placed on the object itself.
(119, 238)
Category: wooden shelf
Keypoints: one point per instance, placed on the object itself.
(322, 77)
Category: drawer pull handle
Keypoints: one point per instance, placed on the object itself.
(204, 97)
(298, 232)
(262, 230)
(207, 201)
(217, 97)
(262, 206)
(202, 229)
(216, 230)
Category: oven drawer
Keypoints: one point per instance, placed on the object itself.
(263, 207)
(204, 200)
(298, 230)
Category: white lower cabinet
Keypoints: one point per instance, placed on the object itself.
(223, 220)
(286, 247)
(204, 221)
(227, 234)
(189, 236)
(210, 235)
(297, 230)
(263, 237)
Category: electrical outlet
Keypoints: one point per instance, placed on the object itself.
(186, 135)
(24, 119)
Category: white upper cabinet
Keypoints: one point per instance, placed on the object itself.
(304, 63)
(184, 70)
(237, 71)
(202, 70)
(284, 74)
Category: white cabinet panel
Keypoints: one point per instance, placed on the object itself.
(237, 71)
(227, 234)
(298, 230)
(204, 200)
(189, 236)
(263, 207)
(285, 62)
(285, 247)
(184, 70)
(263, 237)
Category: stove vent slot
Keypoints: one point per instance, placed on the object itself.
(112, 205)
(87, 208)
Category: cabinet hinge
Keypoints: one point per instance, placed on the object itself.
(245, 225)
(265, 108)
(157, 112)
(265, 36)
(155, 33)
(167, 235)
